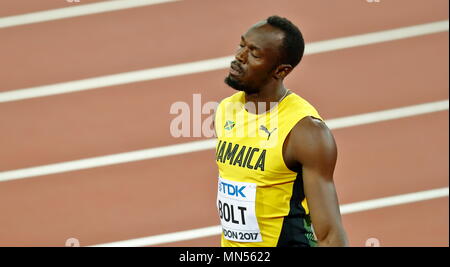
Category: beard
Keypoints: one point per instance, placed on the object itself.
(240, 86)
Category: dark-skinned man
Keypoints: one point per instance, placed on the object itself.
(275, 155)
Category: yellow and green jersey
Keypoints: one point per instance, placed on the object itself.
(260, 201)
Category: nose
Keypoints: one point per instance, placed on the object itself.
(241, 55)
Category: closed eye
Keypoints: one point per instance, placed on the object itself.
(251, 48)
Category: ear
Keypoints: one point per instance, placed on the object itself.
(282, 71)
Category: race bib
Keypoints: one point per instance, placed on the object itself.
(236, 206)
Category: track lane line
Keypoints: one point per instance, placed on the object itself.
(345, 209)
(189, 147)
(216, 63)
(75, 11)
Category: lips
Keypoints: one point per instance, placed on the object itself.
(235, 70)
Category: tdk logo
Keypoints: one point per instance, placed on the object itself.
(231, 190)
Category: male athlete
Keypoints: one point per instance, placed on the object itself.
(275, 155)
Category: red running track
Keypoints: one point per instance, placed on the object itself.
(176, 193)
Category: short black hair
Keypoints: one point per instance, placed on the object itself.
(293, 45)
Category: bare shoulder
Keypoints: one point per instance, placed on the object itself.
(312, 141)
(310, 123)
(312, 130)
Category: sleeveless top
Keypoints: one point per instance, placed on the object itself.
(260, 201)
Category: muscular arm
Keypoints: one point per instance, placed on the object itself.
(312, 145)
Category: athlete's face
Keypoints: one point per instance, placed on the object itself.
(256, 58)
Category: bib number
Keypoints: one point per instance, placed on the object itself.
(236, 206)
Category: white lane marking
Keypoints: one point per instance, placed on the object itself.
(378, 37)
(107, 160)
(166, 238)
(75, 11)
(116, 79)
(345, 209)
(394, 200)
(195, 146)
(389, 114)
(214, 64)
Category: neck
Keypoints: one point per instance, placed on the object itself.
(270, 93)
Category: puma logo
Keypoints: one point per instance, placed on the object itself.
(262, 127)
